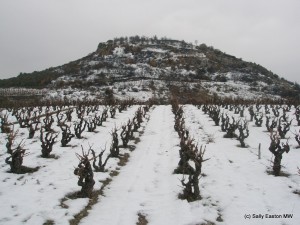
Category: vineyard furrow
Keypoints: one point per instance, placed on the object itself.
(146, 184)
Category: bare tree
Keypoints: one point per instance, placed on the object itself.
(91, 125)
(258, 119)
(283, 128)
(69, 114)
(61, 118)
(10, 140)
(277, 151)
(114, 148)
(214, 113)
(276, 111)
(273, 124)
(33, 127)
(5, 126)
(66, 135)
(100, 166)
(79, 128)
(243, 133)
(85, 173)
(251, 112)
(230, 128)
(102, 118)
(48, 121)
(80, 111)
(191, 191)
(113, 110)
(267, 109)
(125, 135)
(185, 151)
(16, 157)
(23, 118)
(224, 122)
(47, 143)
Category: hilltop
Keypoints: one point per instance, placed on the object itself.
(142, 68)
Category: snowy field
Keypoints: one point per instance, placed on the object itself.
(236, 187)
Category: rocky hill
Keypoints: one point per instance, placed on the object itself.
(143, 67)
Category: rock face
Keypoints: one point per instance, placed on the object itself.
(143, 67)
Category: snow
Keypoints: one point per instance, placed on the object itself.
(238, 180)
(92, 63)
(35, 198)
(185, 72)
(69, 93)
(119, 51)
(237, 89)
(158, 50)
(235, 182)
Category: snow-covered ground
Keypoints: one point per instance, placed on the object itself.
(142, 90)
(35, 198)
(235, 186)
(238, 181)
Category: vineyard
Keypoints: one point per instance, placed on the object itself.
(150, 164)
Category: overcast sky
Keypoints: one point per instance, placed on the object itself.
(38, 34)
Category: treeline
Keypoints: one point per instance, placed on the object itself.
(37, 79)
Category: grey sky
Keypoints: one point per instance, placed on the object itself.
(37, 34)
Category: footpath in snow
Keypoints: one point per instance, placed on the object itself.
(146, 184)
